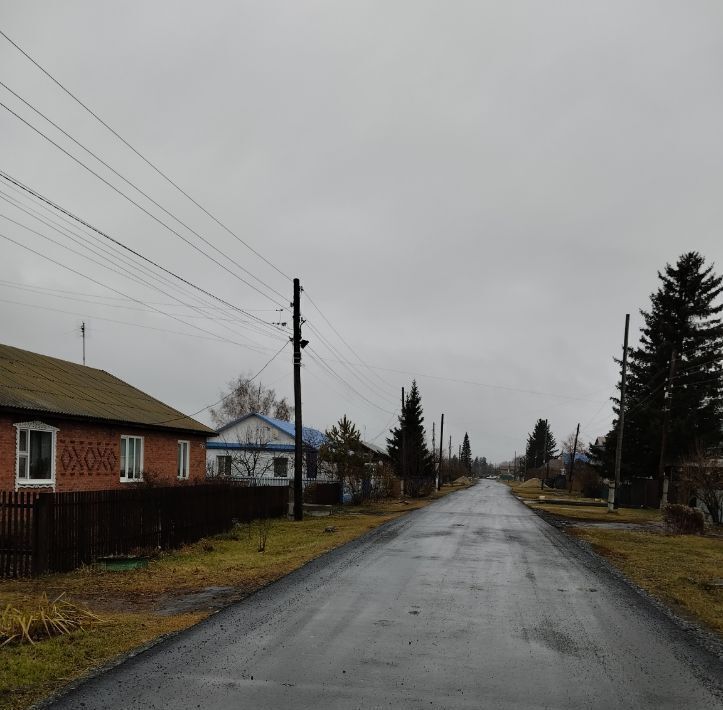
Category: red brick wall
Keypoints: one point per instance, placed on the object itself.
(87, 455)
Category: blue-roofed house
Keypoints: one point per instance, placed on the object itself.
(256, 446)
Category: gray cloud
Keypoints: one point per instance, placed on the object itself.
(477, 190)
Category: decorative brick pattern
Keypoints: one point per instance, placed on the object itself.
(88, 454)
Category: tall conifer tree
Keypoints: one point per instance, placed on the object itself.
(407, 445)
(684, 317)
(466, 458)
(541, 445)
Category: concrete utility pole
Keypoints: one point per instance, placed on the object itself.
(514, 467)
(574, 453)
(441, 444)
(298, 431)
(664, 436)
(82, 335)
(621, 417)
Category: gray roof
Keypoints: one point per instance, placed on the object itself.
(39, 383)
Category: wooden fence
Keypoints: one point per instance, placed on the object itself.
(57, 532)
(16, 533)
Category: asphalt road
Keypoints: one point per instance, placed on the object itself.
(473, 602)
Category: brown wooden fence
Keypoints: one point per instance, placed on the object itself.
(57, 532)
(16, 533)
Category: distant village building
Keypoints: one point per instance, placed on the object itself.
(257, 446)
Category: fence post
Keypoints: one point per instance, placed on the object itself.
(41, 534)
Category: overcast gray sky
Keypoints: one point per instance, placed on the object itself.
(476, 191)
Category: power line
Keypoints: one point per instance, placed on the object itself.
(214, 338)
(133, 202)
(230, 394)
(366, 382)
(143, 158)
(105, 266)
(98, 283)
(314, 356)
(339, 335)
(120, 244)
(124, 271)
(146, 195)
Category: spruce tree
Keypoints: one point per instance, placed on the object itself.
(683, 318)
(466, 457)
(407, 445)
(541, 445)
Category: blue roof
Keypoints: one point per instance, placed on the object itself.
(579, 456)
(311, 437)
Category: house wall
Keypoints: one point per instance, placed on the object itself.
(87, 455)
(238, 441)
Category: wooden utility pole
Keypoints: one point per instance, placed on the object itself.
(621, 417)
(664, 435)
(514, 468)
(434, 442)
(404, 440)
(441, 444)
(82, 335)
(544, 460)
(450, 458)
(574, 453)
(298, 431)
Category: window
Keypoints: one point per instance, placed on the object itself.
(131, 458)
(183, 458)
(223, 465)
(35, 463)
(281, 467)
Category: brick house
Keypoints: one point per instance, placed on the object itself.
(68, 427)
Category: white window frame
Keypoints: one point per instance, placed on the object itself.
(285, 459)
(184, 473)
(27, 427)
(124, 478)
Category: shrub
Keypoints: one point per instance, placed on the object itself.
(594, 489)
(682, 520)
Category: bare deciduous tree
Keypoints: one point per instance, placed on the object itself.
(703, 477)
(244, 397)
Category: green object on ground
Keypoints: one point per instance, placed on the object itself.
(121, 564)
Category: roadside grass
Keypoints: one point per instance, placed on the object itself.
(679, 570)
(534, 492)
(136, 606)
(591, 514)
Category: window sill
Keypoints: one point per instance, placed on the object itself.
(37, 483)
(131, 480)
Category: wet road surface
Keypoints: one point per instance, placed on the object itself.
(473, 602)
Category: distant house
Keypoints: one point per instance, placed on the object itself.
(257, 446)
(374, 454)
(68, 427)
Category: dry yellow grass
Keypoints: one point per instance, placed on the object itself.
(596, 514)
(680, 570)
(530, 490)
(128, 602)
